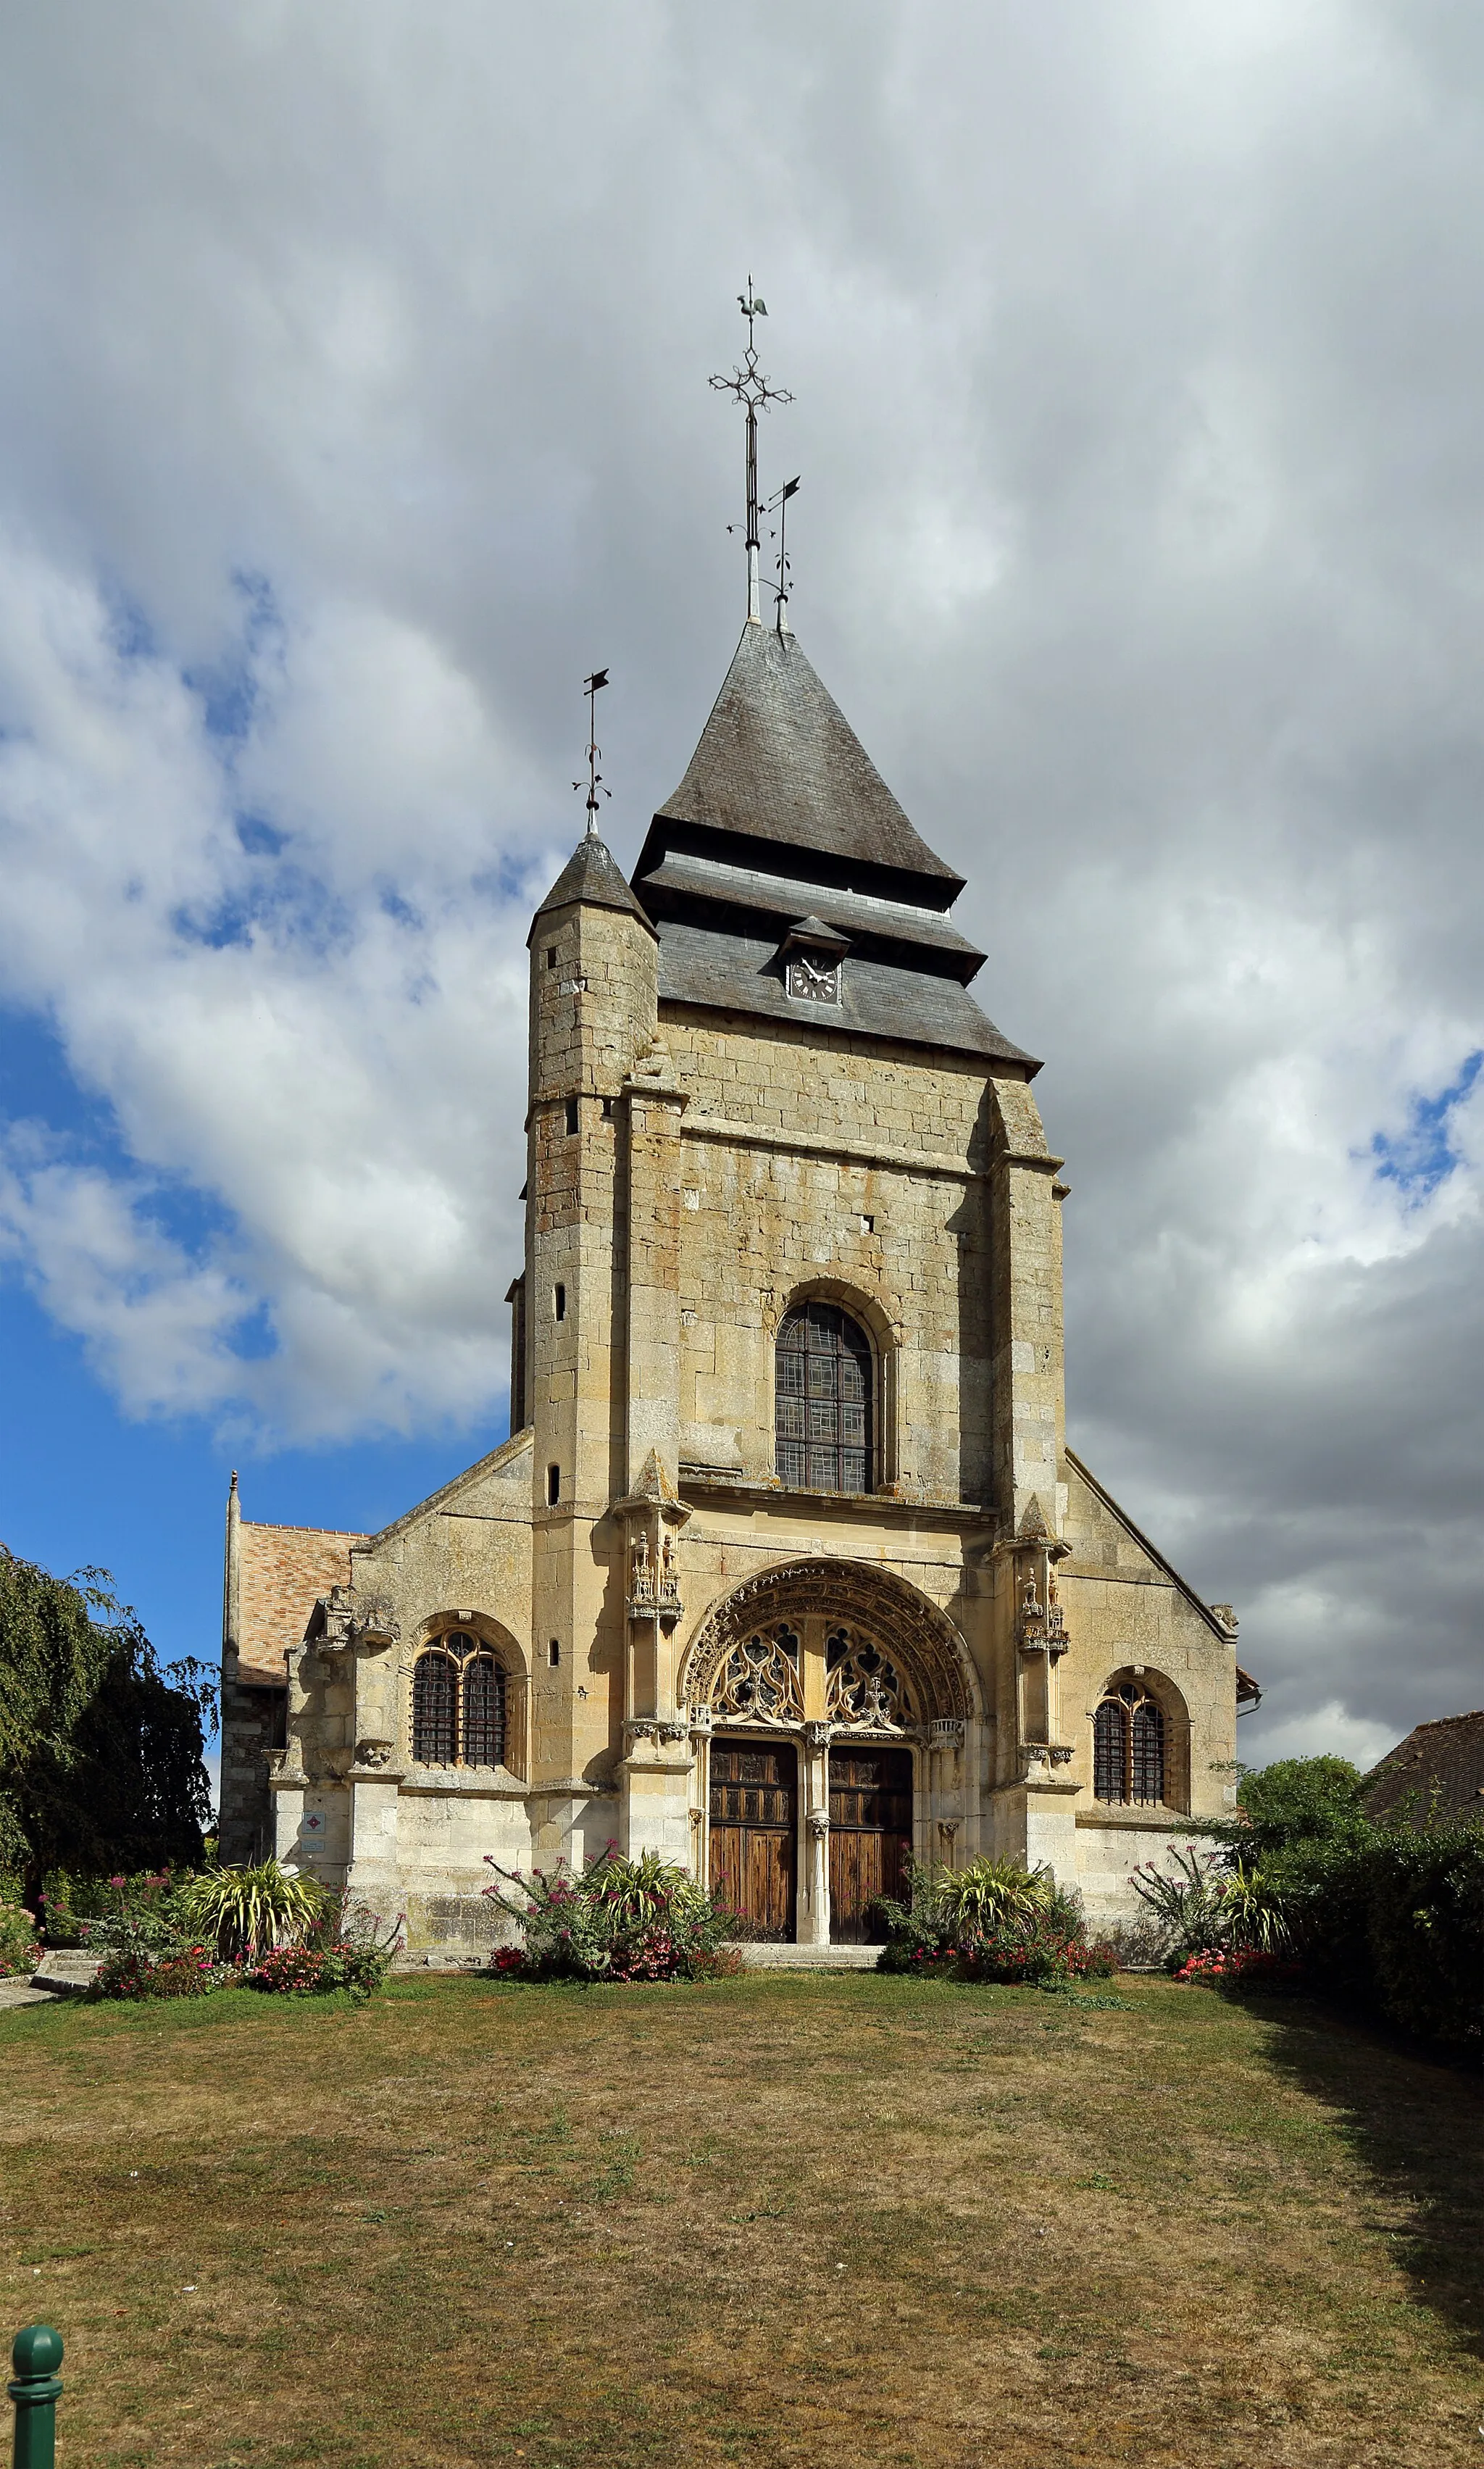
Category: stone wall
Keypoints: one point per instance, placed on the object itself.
(252, 1724)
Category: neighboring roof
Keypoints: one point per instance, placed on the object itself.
(591, 876)
(878, 999)
(685, 878)
(778, 761)
(1438, 1770)
(284, 1571)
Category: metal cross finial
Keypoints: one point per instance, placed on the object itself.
(754, 394)
(592, 687)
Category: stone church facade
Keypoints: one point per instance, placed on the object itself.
(787, 1569)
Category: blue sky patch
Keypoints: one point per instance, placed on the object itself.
(1418, 1159)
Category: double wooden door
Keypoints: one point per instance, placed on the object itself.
(754, 1796)
(869, 1837)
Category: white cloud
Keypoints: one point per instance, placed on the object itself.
(1327, 1731)
(353, 402)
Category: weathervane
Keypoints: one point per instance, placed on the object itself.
(778, 504)
(592, 687)
(754, 394)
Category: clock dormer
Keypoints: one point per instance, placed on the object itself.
(813, 959)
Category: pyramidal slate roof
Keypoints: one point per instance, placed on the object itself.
(779, 762)
(593, 876)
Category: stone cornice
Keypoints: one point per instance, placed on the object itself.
(876, 1507)
(824, 1144)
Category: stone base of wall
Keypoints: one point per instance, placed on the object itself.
(252, 1722)
(1106, 1857)
(456, 1926)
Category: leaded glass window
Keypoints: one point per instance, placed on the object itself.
(434, 1709)
(826, 1383)
(458, 1704)
(483, 1713)
(1129, 1748)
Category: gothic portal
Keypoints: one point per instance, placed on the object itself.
(787, 1570)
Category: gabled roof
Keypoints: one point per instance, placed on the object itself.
(1248, 1691)
(501, 1465)
(592, 877)
(779, 762)
(1439, 1767)
(283, 1572)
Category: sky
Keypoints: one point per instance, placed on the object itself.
(353, 404)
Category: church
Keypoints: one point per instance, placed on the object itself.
(787, 1571)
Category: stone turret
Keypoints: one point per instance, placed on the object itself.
(593, 1013)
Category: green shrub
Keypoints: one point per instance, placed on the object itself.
(1298, 1800)
(1392, 1916)
(1425, 1930)
(18, 1948)
(102, 1912)
(615, 1920)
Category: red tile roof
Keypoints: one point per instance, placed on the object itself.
(1440, 1767)
(284, 1571)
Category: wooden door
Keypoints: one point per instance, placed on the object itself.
(753, 1856)
(869, 1837)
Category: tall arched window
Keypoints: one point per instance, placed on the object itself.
(483, 1726)
(458, 1704)
(434, 1709)
(1128, 1746)
(824, 1401)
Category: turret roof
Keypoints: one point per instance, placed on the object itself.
(593, 878)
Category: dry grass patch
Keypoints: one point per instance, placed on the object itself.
(777, 2220)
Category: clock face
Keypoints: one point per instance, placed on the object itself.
(814, 982)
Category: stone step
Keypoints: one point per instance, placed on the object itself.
(17, 1990)
(66, 1969)
(766, 1956)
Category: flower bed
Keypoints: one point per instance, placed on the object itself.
(136, 1973)
(1237, 1967)
(615, 1920)
(992, 1921)
(315, 1970)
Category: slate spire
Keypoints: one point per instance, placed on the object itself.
(777, 761)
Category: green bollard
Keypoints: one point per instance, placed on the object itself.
(35, 2356)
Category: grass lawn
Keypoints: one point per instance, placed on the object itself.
(830, 2220)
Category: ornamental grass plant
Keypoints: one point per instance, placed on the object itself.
(991, 1920)
(247, 1910)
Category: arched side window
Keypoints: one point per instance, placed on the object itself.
(826, 1401)
(1129, 1748)
(458, 1704)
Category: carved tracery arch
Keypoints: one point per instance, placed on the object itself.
(902, 1660)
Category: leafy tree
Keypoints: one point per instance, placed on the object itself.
(1299, 1800)
(100, 1749)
